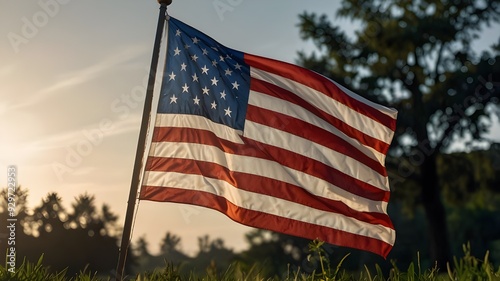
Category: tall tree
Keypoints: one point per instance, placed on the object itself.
(418, 57)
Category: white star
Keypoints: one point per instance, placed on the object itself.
(183, 67)
(228, 56)
(214, 62)
(178, 33)
(215, 49)
(186, 46)
(238, 66)
(229, 72)
(214, 81)
(172, 76)
(205, 90)
(235, 85)
(196, 40)
(195, 77)
(177, 51)
(223, 94)
(204, 70)
(205, 52)
(227, 112)
(196, 100)
(214, 105)
(194, 57)
(185, 88)
(221, 58)
(173, 99)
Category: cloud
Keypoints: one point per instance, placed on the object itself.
(123, 126)
(71, 80)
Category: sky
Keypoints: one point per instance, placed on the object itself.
(72, 82)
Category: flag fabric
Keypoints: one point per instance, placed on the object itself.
(269, 144)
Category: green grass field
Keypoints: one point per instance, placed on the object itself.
(464, 268)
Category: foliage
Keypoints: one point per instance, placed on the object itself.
(420, 58)
(32, 272)
(271, 256)
(273, 252)
(51, 230)
(467, 267)
(472, 268)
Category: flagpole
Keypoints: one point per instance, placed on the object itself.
(141, 144)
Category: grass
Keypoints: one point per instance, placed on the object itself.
(465, 268)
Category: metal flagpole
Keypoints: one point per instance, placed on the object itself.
(139, 156)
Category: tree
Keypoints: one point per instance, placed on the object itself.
(21, 211)
(84, 212)
(418, 57)
(170, 249)
(212, 258)
(170, 253)
(170, 243)
(474, 212)
(71, 241)
(96, 235)
(49, 216)
(274, 253)
(141, 249)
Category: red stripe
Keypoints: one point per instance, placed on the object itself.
(281, 156)
(312, 133)
(261, 185)
(275, 91)
(265, 220)
(319, 83)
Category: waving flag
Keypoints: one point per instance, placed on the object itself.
(269, 144)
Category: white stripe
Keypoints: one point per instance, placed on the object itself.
(274, 137)
(268, 169)
(391, 112)
(282, 106)
(313, 150)
(198, 122)
(271, 205)
(344, 113)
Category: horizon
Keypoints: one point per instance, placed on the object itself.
(73, 81)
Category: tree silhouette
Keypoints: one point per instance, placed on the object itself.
(274, 253)
(21, 211)
(418, 57)
(170, 243)
(170, 253)
(84, 213)
(475, 203)
(49, 217)
(21, 204)
(74, 240)
(213, 257)
(204, 244)
(109, 221)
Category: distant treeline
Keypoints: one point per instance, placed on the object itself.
(86, 236)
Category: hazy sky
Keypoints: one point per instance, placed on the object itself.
(72, 79)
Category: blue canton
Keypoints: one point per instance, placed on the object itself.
(204, 78)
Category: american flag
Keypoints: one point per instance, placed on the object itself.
(269, 144)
